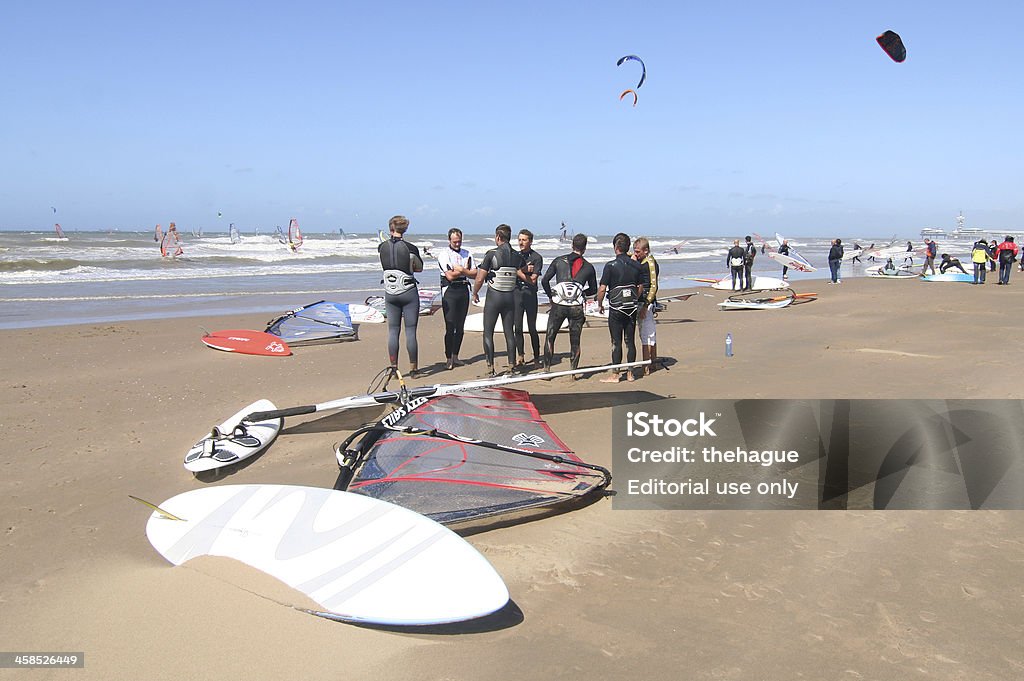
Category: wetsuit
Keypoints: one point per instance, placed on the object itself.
(750, 252)
(734, 259)
(648, 328)
(454, 299)
(950, 263)
(574, 280)
(784, 250)
(626, 282)
(401, 296)
(526, 302)
(501, 264)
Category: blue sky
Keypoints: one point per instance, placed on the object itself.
(755, 116)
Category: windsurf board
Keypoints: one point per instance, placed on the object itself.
(949, 276)
(792, 263)
(760, 283)
(475, 322)
(753, 304)
(247, 342)
(878, 273)
(365, 314)
(361, 559)
(232, 441)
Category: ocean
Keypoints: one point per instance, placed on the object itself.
(107, 276)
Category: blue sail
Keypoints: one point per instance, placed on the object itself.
(319, 322)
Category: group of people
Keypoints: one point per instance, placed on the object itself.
(513, 278)
(989, 254)
(740, 260)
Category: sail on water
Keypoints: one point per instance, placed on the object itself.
(233, 234)
(170, 245)
(294, 235)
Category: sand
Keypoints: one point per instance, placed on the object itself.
(93, 413)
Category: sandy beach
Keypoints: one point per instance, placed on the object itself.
(92, 413)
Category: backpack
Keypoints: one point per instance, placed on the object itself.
(1005, 256)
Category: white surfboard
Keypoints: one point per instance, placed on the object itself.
(364, 314)
(792, 263)
(760, 283)
(231, 443)
(475, 322)
(360, 559)
(901, 273)
(754, 304)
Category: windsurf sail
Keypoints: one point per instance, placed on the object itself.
(466, 457)
(294, 235)
(279, 233)
(170, 245)
(60, 232)
(233, 234)
(430, 302)
(158, 234)
(319, 322)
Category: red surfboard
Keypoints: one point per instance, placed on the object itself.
(247, 342)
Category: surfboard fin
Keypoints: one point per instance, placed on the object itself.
(166, 514)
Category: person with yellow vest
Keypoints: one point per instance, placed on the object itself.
(980, 255)
(645, 315)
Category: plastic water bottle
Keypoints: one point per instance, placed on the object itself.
(728, 345)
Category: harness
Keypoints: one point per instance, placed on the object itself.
(567, 293)
(504, 279)
(397, 282)
(623, 299)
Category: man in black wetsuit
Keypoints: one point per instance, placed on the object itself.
(526, 297)
(749, 253)
(499, 269)
(457, 275)
(400, 260)
(735, 259)
(949, 263)
(784, 250)
(574, 280)
(624, 281)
